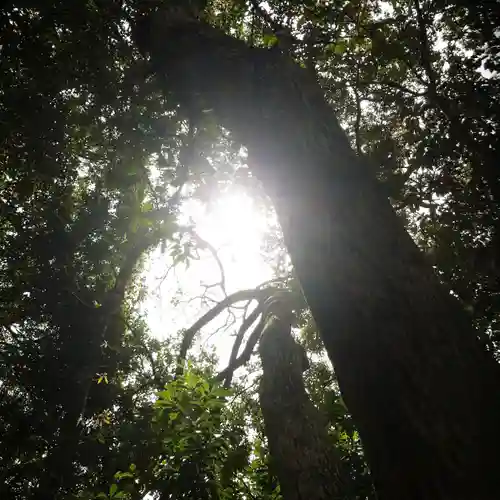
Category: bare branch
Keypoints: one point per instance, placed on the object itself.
(246, 354)
(205, 245)
(190, 333)
(230, 321)
(247, 323)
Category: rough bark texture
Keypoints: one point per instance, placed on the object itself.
(422, 390)
(301, 451)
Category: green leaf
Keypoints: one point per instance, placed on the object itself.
(147, 207)
(113, 489)
(270, 40)
(340, 47)
(166, 394)
(123, 475)
(191, 379)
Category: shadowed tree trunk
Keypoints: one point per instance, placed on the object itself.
(301, 450)
(421, 388)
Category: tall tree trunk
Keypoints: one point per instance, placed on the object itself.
(301, 450)
(421, 389)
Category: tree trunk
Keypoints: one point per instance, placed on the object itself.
(421, 389)
(301, 450)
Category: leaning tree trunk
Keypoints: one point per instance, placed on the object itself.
(301, 451)
(423, 392)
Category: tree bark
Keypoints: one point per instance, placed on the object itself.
(421, 389)
(301, 451)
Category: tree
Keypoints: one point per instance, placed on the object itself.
(76, 217)
(96, 159)
(411, 86)
(302, 452)
(408, 362)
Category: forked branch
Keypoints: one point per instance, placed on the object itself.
(190, 333)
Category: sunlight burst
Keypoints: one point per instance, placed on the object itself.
(236, 227)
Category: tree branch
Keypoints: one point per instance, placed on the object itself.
(424, 48)
(205, 245)
(283, 34)
(245, 355)
(190, 333)
(247, 323)
(394, 85)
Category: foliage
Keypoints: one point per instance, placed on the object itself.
(191, 450)
(95, 163)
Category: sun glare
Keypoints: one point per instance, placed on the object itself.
(235, 227)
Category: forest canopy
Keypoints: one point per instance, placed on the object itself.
(247, 249)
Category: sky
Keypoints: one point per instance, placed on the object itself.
(235, 227)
